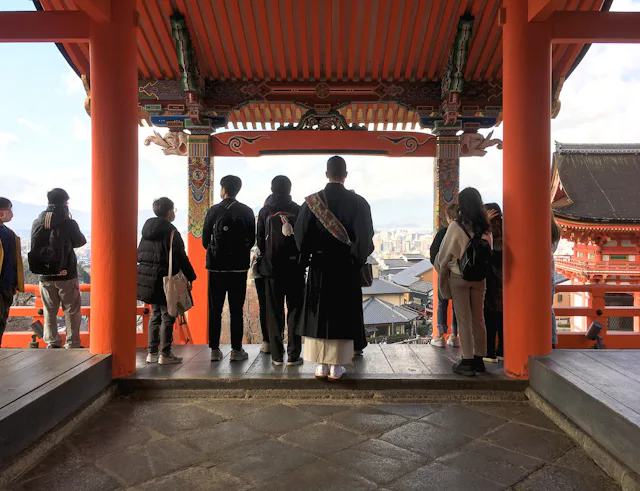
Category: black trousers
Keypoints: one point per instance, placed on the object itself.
(278, 289)
(6, 299)
(262, 302)
(221, 284)
(493, 322)
(160, 329)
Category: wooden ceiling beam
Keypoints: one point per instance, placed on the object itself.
(595, 27)
(541, 10)
(98, 10)
(44, 26)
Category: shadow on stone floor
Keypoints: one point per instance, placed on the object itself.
(262, 444)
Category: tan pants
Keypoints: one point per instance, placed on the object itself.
(468, 297)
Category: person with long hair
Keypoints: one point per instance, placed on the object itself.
(556, 233)
(493, 299)
(468, 296)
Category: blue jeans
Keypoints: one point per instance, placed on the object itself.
(554, 330)
(443, 309)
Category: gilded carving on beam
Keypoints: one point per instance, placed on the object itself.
(315, 119)
(474, 144)
(172, 143)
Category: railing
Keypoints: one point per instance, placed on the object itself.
(598, 267)
(598, 311)
(21, 339)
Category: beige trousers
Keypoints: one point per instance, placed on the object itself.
(468, 297)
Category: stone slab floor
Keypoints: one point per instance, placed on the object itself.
(258, 444)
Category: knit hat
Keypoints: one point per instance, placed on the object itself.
(281, 185)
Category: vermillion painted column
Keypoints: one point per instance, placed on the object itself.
(526, 177)
(200, 174)
(114, 186)
(446, 185)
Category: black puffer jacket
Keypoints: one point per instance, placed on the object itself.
(153, 260)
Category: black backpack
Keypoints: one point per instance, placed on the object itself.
(476, 260)
(281, 252)
(46, 256)
(228, 235)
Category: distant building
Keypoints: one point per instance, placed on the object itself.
(383, 318)
(387, 291)
(418, 278)
(595, 199)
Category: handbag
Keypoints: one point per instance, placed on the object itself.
(329, 221)
(176, 288)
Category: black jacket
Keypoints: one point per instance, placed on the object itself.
(274, 204)
(435, 245)
(69, 235)
(245, 234)
(153, 260)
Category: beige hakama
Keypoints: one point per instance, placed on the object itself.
(328, 351)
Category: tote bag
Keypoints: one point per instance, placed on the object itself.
(176, 288)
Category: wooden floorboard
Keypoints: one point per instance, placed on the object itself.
(7, 352)
(372, 361)
(402, 359)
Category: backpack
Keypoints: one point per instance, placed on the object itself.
(46, 256)
(476, 260)
(281, 252)
(228, 235)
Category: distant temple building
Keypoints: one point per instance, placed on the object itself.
(596, 200)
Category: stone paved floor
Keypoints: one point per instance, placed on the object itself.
(211, 444)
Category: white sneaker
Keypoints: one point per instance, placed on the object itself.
(454, 340)
(336, 372)
(265, 348)
(322, 371)
(152, 357)
(169, 359)
(438, 341)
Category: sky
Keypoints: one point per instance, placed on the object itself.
(45, 139)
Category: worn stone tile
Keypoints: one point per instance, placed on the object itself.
(506, 410)
(438, 477)
(556, 478)
(139, 411)
(372, 467)
(428, 440)
(62, 455)
(195, 479)
(323, 438)
(322, 410)
(534, 417)
(265, 461)
(174, 419)
(69, 478)
(541, 444)
(576, 459)
(319, 476)
(141, 463)
(368, 420)
(220, 437)
(100, 437)
(278, 419)
(465, 421)
(230, 409)
(491, 462)
(411, 411)
(385, 449)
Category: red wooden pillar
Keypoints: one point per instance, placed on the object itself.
(200, 175)
(114, 186)
(526, 157)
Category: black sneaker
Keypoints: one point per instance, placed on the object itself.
(478, 364)
(464, 367)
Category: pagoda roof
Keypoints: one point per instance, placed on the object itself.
(597, 183)
(275, 52)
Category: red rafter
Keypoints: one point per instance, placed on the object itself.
(364, 43)
(277, 25)
(221, 14)
(427, 47)
(255, 47)
(422, 5)
(379, 47)
(303, 40)
(194, 24)
(342, 22)
(405, 29)
(442, 43)
(316, 35)
(293, 56)
(235, 20)
(389, 46)
(266, 39)
(163, 30)
(216, 42)
(329, 34)
(353, 39)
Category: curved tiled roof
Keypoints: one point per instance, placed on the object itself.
(378, 312)
(383, 287)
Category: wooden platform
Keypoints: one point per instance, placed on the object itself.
(40, 388)
(598, 390)
(393, 366)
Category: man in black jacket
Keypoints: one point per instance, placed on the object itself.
(228, 234)
(279, 265)
(153, 266)
(56, 229)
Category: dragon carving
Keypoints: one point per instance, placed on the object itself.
(474, 144)
(172, 143)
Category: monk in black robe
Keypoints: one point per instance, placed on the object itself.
(332, 322)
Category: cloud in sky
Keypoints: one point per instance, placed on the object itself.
(599, 104)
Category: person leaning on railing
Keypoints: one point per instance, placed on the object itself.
(11, 271)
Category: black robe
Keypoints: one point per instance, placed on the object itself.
(333, 295)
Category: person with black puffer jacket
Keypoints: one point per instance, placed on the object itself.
(153, 266)
(280, 267)
(229, 234)
(54, 236)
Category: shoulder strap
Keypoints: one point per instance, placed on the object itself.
(463, 229)
(171, 253)
(326, 217)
